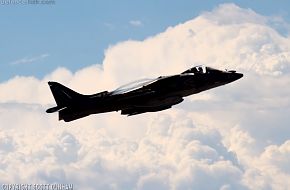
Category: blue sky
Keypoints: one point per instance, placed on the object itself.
(36, 39)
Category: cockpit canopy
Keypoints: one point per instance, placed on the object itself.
(196, 70)
(200, 70)
(133, 86)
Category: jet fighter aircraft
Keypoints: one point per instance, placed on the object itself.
(149, 95)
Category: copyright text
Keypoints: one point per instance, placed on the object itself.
(37, 186)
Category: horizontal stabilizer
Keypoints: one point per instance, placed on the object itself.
(54, 109)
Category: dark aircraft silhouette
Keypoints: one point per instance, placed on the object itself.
(141, 96)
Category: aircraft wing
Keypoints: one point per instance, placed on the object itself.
(157, 105)
(136, 110)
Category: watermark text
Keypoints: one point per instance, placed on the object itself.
(18, 186)
(27, 2)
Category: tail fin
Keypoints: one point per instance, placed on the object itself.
(63, 96)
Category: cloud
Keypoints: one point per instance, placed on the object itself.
(136, 23)
(109, 25)
(232, 14)
(236, 136)
(28, 60)
(171, 159)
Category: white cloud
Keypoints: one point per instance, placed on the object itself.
(136, 23)
(232, 14)
(236, 137)
(27, 60)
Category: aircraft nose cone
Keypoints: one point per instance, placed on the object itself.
(239, 75)
(235, 76)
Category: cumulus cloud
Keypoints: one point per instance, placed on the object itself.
(235, 137)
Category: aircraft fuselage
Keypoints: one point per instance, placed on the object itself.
(159, 94)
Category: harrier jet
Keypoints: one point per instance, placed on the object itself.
(148, 95)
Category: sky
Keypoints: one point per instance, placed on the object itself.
(37, 39)
(236, 136)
